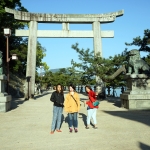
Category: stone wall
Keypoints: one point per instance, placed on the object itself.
(16, 82)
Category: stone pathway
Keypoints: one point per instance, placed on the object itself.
(27, 127)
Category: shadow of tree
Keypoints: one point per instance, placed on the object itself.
(144, 146)
(139, 116)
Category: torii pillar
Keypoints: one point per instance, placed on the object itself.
(65, 19)
(31, 59)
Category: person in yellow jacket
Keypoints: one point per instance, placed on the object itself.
(72, 106)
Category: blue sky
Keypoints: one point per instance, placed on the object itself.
(59, 53)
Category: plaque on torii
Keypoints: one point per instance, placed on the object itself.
(33, 33)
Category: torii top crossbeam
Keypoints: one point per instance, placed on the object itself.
(70, 18)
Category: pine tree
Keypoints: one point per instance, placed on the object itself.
(142, 43)
(97, 66)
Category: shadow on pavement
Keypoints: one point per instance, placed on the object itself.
(139, 116)
(16, 102)
(43, 94)
(83, 99)
(144, 146)
(66, 119)
(62, 119)
(115, 100)
(83, 93)
(83, 116)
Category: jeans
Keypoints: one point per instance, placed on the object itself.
(57, 112)
(91, 114)
(73, 119)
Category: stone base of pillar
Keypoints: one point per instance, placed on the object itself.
(5, 99)
(137, 95)
(5, 103)
(136, 104)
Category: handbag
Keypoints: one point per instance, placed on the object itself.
(96, 103)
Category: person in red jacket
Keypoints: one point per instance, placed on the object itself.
(91, 109)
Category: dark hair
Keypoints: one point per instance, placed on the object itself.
(61, 88)
(73, 86)
(89, 87)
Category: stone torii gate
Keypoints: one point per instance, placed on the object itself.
(65, 19)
